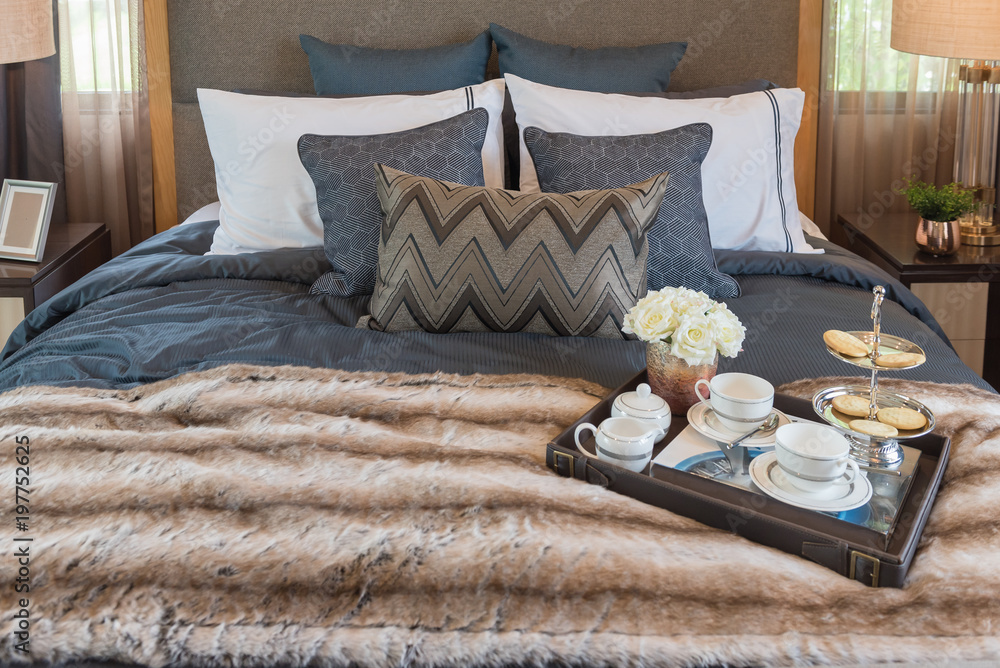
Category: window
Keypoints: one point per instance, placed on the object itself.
(95, 39)
(860, 34)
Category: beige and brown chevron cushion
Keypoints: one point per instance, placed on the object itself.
(455, 258)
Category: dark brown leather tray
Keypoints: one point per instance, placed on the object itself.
(849, 549)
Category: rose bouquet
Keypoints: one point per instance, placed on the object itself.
(694, 326)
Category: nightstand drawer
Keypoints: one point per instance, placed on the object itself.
(11, 314)
(972, 353)
(75, 267)
(71, 251)
(960, 308)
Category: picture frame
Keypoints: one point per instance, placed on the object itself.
(25, 213)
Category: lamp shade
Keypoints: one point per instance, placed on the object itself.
(948, 28)
(25, 30)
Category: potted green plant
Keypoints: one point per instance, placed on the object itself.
(938, 231)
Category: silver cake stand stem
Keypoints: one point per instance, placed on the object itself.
(879, 293)
(871, 450)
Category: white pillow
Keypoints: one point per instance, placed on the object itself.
(809, 227)
(748, 177)
(205, 213)
(268, 199)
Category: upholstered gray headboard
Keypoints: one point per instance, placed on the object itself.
(229, 44)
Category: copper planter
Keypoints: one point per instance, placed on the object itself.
(939, 238)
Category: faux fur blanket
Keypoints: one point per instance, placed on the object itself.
(252, 516)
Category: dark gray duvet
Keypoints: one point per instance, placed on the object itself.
(163, 308)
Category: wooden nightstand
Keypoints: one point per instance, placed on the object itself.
(951, 286)
(71, 251)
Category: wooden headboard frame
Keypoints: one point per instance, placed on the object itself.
(161, 107)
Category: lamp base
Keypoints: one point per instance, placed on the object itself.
(984, 239)
(980, 233)
(976, 148)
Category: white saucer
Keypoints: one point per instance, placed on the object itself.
(704, 421)
(771, 480)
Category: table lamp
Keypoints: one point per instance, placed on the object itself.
(968, 30)
(25, 34)
(25, 30)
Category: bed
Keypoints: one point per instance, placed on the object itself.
(228, 471)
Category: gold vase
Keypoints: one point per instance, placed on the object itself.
(939, 238)
(673, 379)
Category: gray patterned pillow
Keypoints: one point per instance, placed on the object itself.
(341, 169)
(455, 258)
(680, 249)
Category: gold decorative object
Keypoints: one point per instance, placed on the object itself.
(673, 379)
(976, 149)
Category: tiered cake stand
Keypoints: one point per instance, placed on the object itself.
(874, 451)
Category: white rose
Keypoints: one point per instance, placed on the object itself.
(664, 296)
(729, 331)
(694, 340)
(689, 302)
(650, 321)
(649, 300)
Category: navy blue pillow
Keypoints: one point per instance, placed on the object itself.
(680, 248)
(613, 69)
(342, 169)
(343, 69)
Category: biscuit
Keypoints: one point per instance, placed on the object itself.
(902, 418)
(845, 343)
(851, 405)
(899, 360)
(873, 428)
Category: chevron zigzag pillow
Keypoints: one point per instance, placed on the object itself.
(455, 258)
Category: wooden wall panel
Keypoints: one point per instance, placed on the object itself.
(160, 113)
(810, 48)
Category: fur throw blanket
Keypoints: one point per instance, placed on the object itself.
(253, 516)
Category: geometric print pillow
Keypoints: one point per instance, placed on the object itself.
(454, 258)
(680, 248)
(342, 170)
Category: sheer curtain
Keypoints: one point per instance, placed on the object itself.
(884, 116)
(108, 160)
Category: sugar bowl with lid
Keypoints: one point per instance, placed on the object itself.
(644, 406)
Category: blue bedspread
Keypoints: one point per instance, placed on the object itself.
(163, 308)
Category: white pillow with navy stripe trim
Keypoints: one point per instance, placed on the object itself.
(748, 177)
(268, 199)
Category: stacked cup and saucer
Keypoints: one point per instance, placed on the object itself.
(811, 468)
(738, 415)
(804, 464)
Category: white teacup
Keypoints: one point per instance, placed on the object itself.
(741, 401)
(814, 457)
(624, 441)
